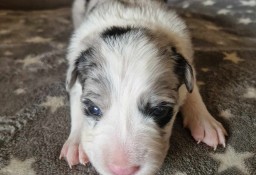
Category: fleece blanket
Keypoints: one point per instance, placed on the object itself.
(34, 107)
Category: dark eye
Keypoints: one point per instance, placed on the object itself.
(94, 110)
(160, 111)
(91, 109)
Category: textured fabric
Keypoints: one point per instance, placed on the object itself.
(34, 112)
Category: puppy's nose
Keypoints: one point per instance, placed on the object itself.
(120, 170)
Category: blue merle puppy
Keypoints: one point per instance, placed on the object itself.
(130, 72)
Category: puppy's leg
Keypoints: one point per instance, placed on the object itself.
(72, 149)
(202, 125)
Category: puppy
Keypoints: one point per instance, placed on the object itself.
(130, 72)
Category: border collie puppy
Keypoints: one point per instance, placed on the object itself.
(130, 72)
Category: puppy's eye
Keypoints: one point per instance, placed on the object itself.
(94, 110)
(160, 111)
(91, 109)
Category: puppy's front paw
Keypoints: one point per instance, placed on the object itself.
(73, 153)
(206, 129)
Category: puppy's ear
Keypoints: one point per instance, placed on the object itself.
(184, 70)
(78, 69)
(72, 75)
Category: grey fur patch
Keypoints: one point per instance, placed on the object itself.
(93, 77)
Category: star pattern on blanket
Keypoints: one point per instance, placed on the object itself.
(226, 114)
(231, 158)
(223, 11)
(208, 2)
(8, 53)
(221, 43)
(200, 83)
(251, 3)
(212, 27)
(180, 173)
(3, 32)
(19, 91)
(205, 69)
(232, 57)
(30, 60)
(250, 93)
(185, 4)
(244, 21)
(18, 167)
(38, 39)
(54, 103)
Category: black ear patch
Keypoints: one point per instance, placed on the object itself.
(115, 31)
(81, 64)
(184, 70)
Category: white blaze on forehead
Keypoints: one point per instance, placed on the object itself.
(130, 64)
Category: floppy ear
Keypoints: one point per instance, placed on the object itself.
(77, 69)
(184, 70)
(72, 75)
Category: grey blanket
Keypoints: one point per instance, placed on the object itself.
(34, 108)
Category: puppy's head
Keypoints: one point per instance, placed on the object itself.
(132, 82)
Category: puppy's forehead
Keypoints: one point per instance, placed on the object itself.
(128, 63)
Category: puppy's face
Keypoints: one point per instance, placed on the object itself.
(132, 85)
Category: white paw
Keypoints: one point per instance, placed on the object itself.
(73, 153)
(206, 129)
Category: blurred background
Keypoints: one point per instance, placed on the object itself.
(33, 4)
